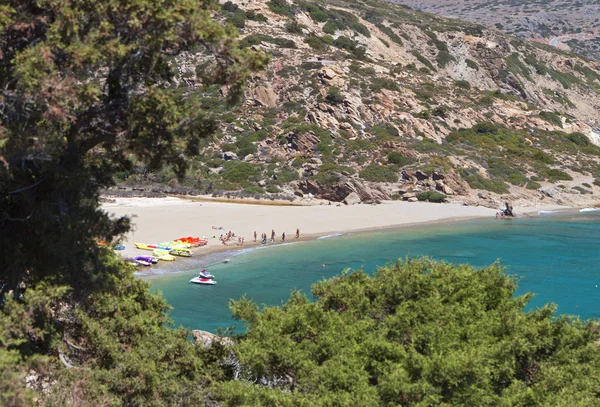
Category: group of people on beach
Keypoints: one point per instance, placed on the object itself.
(263, 237)
(230, 237)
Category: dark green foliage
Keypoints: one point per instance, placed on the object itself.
(543, 157)
(500, 170)
(581, 190)
(294, 27)
(424, 60)
(555, 175)
(533, 185)
(330, 28)
(109, 104)
(334, 96)
(443, 58)
(517, 67)
(336, 19)
(319, 43)
(382, 83)
(390, 33)
(399, 159)
(379, 173)
(551, 117)
(476, 181)
(579, 138)
(472, 64)
(463, 84)
(240, 172)
(256, 39)
(280, 7)
(418, 331)
(329, 174)
(597, 182)
(431, 196)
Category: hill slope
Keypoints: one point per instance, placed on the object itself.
(371, 101)
(568, 25)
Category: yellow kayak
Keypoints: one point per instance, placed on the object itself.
(163, 255)
(143, 246)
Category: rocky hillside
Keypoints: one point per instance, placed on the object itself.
(367, 101)
(565, 24)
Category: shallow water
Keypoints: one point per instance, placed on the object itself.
(558, 258)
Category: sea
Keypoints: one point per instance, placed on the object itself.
(555, 256)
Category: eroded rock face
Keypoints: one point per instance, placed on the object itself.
(344, 188)
(206, 339)
(265, 96)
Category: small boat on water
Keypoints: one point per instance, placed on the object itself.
(203, 281)
(205, 274)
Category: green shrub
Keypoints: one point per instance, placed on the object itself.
(462, 84)
(585, 184)
(240, 171)
(237, 19)
(399, 159)
(382, 83)
(431, 196)
(552, 118)
(443, 58)
(558, 175)
(319, 43)
(272, 189)
(476, 181)
(245, 147)
(254, 16)
(379, 173)
(485, 128)
(579, 138)
(253, 190)
(533, 185)
(582, 191)
(390, 33)
(334, 96)
(294, 27)
(423, 60)
(330, 28)
(472, 64)
(280, 7)
(542, 157)
(597, 182)
(329, 173)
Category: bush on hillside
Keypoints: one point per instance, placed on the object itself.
(379, 173)
(399, 159)
(431, 196)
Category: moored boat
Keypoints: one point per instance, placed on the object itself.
(148, 259)
(203, 281)
(163, 255)
(181, 252)
(205, 274)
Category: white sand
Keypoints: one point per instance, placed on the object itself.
(163, 219)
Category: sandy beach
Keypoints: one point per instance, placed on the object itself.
(163, 219)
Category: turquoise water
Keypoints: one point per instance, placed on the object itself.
(558, 258)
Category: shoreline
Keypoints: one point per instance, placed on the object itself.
(163, 219)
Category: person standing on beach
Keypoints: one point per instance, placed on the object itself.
(255, 235)
(297, 233)
(272, 235)
(283, 237)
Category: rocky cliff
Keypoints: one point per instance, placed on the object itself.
(368, 101)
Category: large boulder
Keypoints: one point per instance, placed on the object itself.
(206, 339)
(228, 155)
